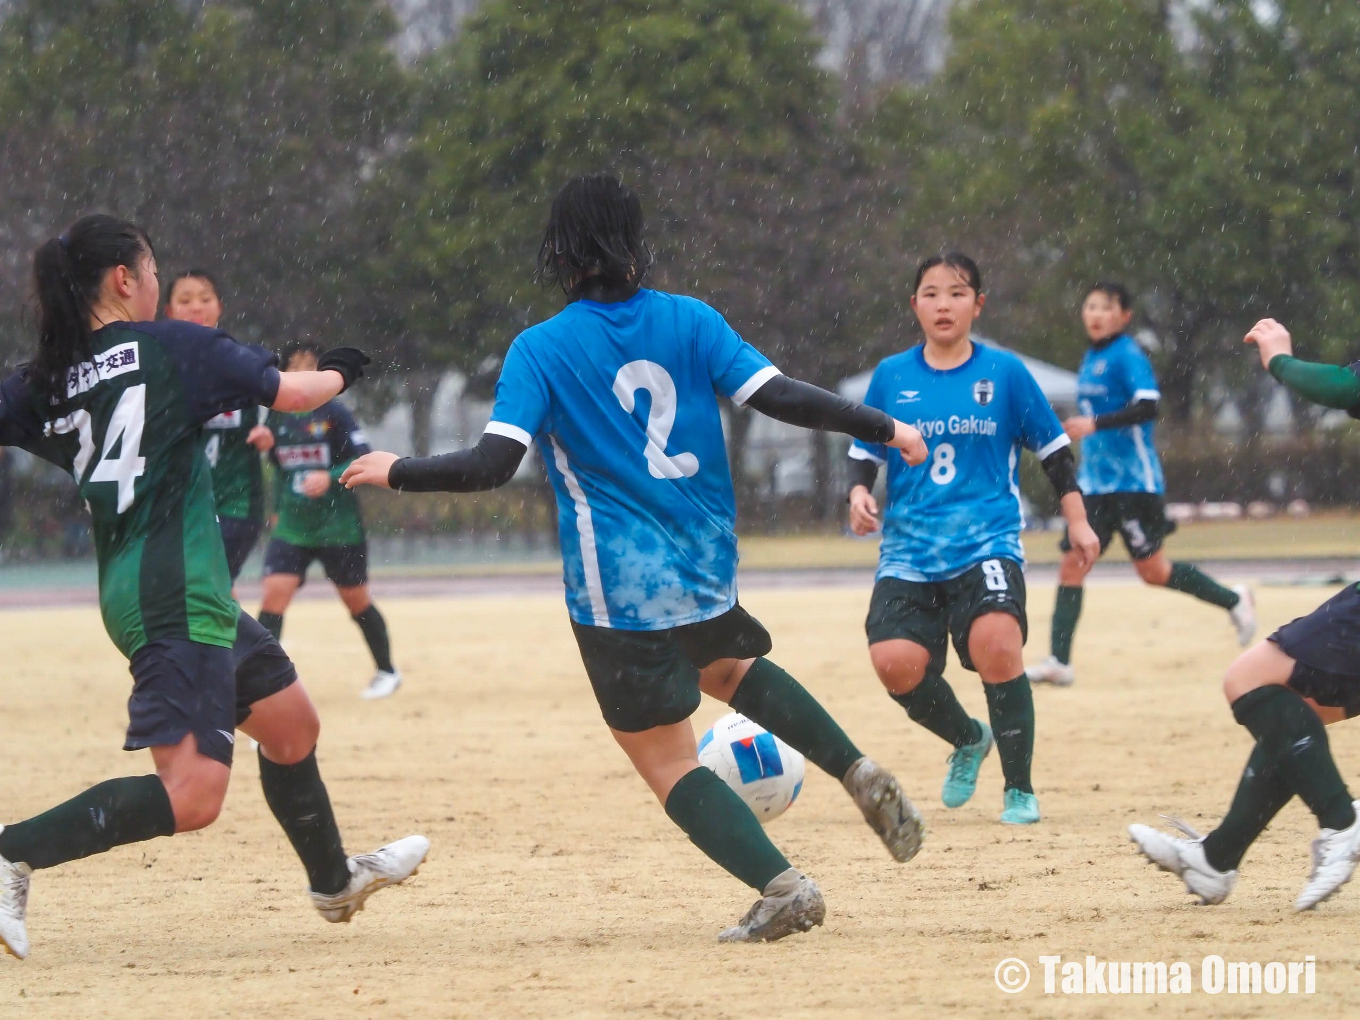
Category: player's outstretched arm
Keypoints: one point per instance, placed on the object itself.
(488, 465)
(1336, 386)
(336, 371)
(811, 407)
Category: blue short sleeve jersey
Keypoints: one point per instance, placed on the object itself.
(621, 399)
(1114, 375)
(962, 506)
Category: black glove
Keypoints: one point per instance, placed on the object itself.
(348, 361)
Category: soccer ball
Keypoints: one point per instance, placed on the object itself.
(764, 771)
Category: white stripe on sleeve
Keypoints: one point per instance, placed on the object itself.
(754, 383)
(860, 453)
(500, 428)
(1146, 395)
(1053, 447)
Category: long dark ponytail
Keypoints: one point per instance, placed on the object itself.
(67, 274)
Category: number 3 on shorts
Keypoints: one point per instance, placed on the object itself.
(994, 574)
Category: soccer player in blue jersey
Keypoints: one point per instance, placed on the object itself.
(1121, 478)
(1284, 691)
(619, 390)
(950, 560)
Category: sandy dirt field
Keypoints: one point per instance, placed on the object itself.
(558, 888)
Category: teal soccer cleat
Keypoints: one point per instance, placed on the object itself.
(964, 764)
(1021, 808)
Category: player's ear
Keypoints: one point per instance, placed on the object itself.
(981, 300)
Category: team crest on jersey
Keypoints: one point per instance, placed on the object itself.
(318, 428)
(983, 391)
(1098, 368)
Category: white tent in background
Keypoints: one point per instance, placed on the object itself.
(1058, 384)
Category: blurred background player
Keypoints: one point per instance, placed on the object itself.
(119, 400)
(1121, 477)
(620, 392)
(233, 440)
(950, 563)
(319, 519)
(1285, 690)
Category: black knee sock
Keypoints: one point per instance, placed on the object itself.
(932, 703)
(1011, 707)
(771, 698)
(272, 622)
(374, 629)
(114, 813)
(1261, 794)
(1190, 579)
(723, 827)
(1296, 741)
(298, 798)
(1066, 612)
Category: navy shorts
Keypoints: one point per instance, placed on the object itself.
(239, 536)
(181, 687)
(1324, 647)
(346, 566)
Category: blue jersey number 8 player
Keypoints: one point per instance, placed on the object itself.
(950, 562)
(619, 390)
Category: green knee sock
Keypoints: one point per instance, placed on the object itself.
(272, 622)
(298, 799)
(1294, 738)
(771, 698)
(1190, 579)
(1261, 794)
(1066, 612)
(374, 629)
(718, 823)
(932, 703)
(114, 813)
(1011, 707)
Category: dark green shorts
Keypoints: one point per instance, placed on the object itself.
(1139, 517)
(646, 678)
(931, 612)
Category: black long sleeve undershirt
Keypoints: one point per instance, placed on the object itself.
(489, 464)
(811, 407)
(1134, 413)
(1060, 467)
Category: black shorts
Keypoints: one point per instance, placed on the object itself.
(1139, 517)
(646, 678)
(181, 687)
(346, 566)
(239, 536)
(931, 612)
(1325, 645)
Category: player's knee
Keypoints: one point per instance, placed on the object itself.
(1154, 570)
(196, 801)
(900, 670)
(994, 645)
(1070, 570)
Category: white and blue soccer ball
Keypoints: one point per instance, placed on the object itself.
(764, 771)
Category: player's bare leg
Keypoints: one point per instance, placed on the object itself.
(1057, 668)
(276, 593)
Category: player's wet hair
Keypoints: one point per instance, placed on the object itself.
(193, 274)
(955, 260)
(299, 347)
(1113, 290)
(595, 231)
(68, 272)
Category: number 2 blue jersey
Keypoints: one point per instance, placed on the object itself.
(621, 400)
(1114, 375)
(962, 506)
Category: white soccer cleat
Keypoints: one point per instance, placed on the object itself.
(791, 903)
(1184, 858)
(886, 808)
(1243, 615)
(1051, 671)
(388, 865)
(1335, 852)
(383, 685)
(14, 880)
